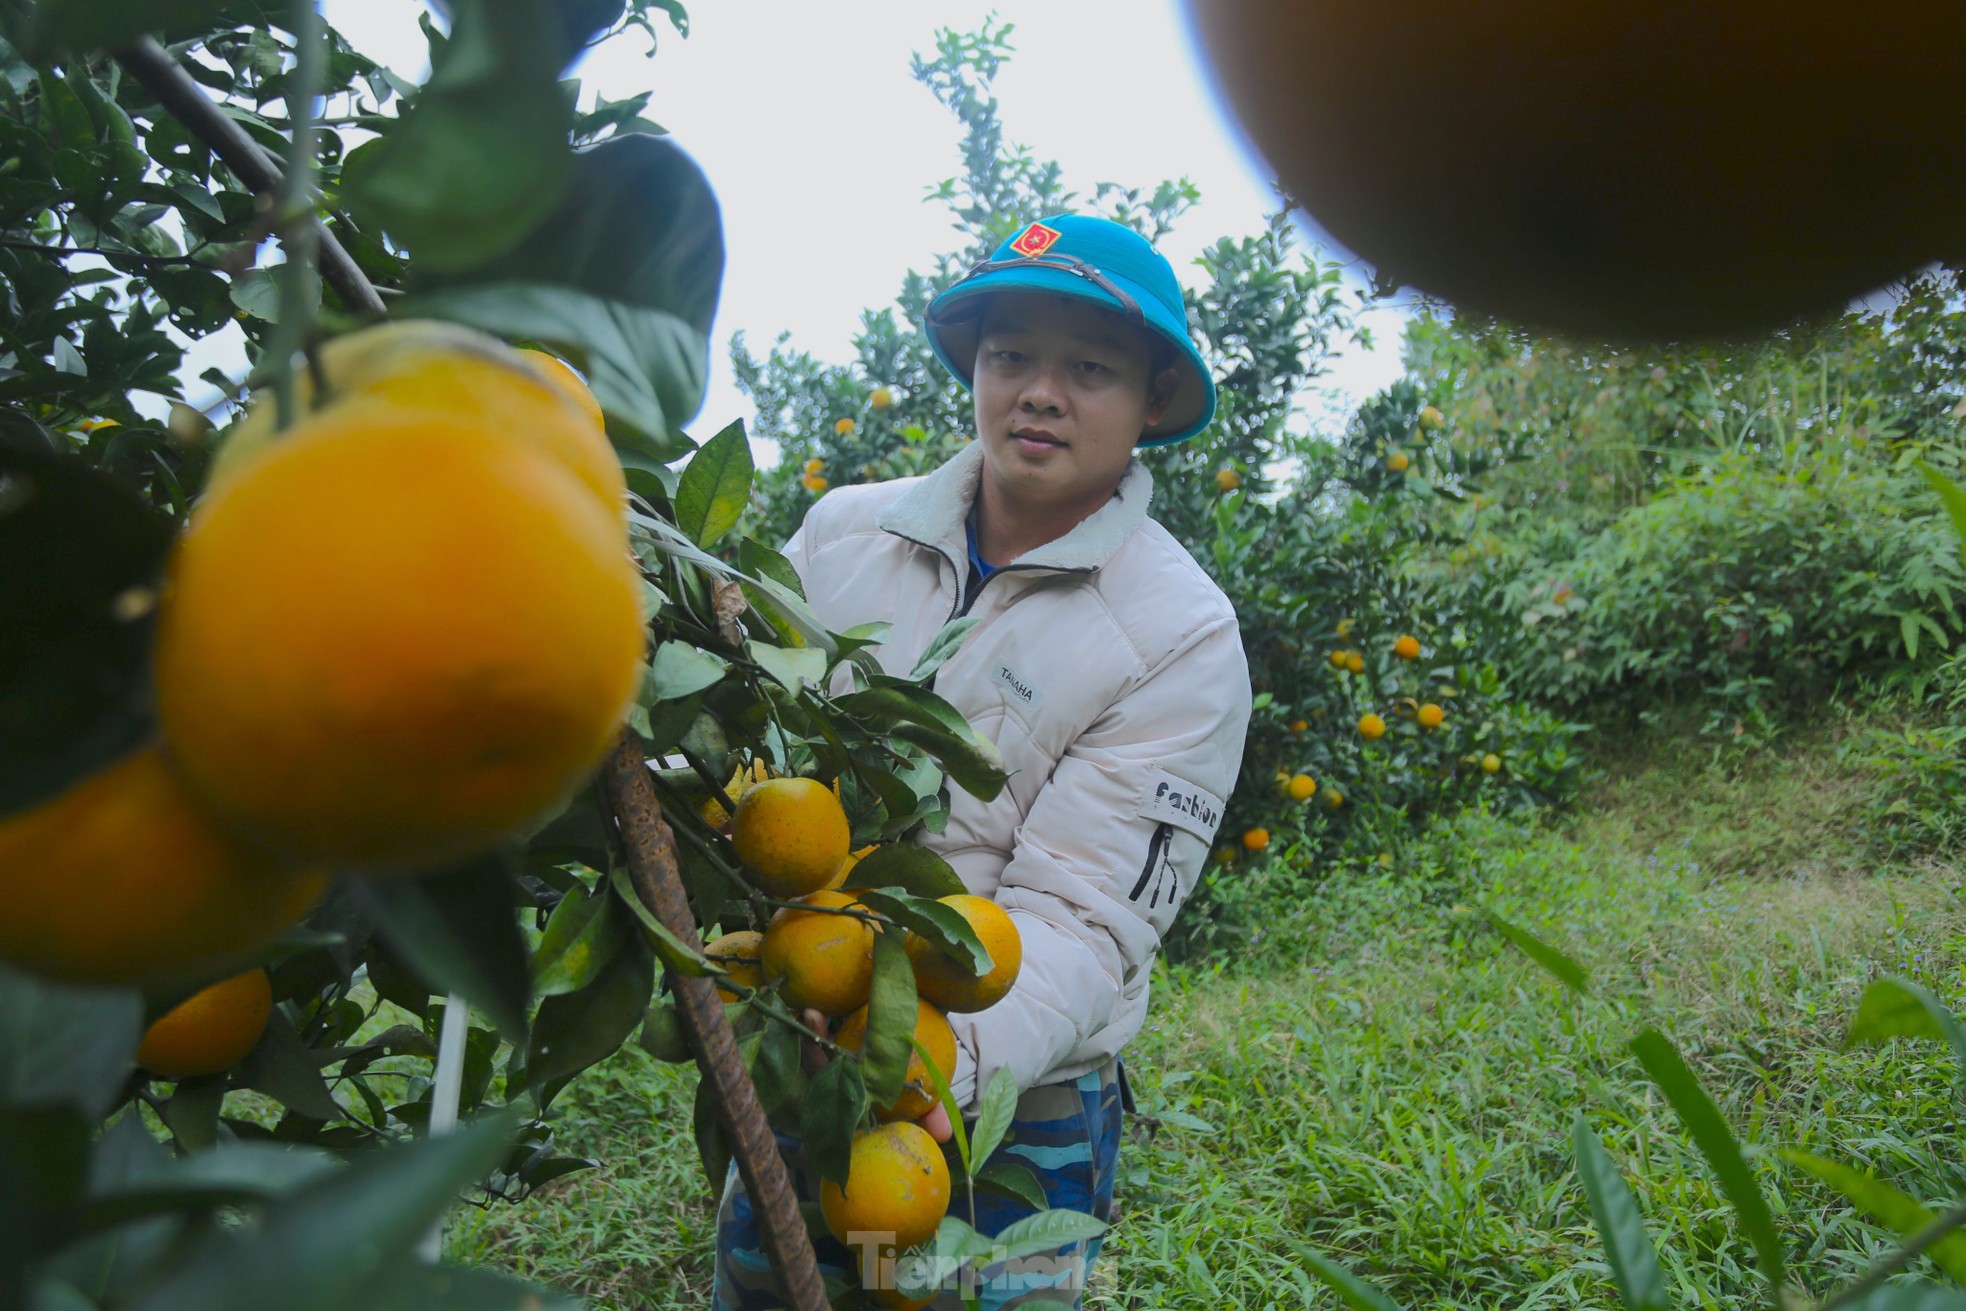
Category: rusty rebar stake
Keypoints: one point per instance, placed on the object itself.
(652, 866)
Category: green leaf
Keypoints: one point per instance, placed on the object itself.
(793, 667)
(996, 1108)
(580, 938)
(88, 25)
(1568, 972)
(1715, 1140)
(646, 367)
(82, 555)
(917, 715)
(42, 1173)
(682, 957)
(954, 1245)
(907, 866)
(712, 1149)
(1896, 1211)
(323, 1246)
(715, 486)
(889, 1041)
(285, 1069)
(1047, 1231)
(943, 925)
(230, 1174)
(680, 670)
(481, 154)
(65, 1046)
(576, 1030)
(755, 558)
(1954, 497)
(639, 224)
(193, 1111)
(1898, 1008)
(1350, 1288)
(1634, 1261)
(1012, 1179)
(944, 645)
(835, 1100)
(459, 929)
(775, 1070)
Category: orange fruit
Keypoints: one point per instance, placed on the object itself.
(1668, 172)
(844, 427)
(932, 1031)
(396, 638)
(793, 835)
(1430, 419)
(126, 878)
(209, 1031)
(820, 959)
(1429, 716)
(897, 1188)
(1338, 659)
(1299, 725)
(1302, 787)
(742, 779)
(741, 956)
(815, 465)
(1491, 763)
(565, 377)
(1227, 480)
(1355, 662)
(1333, 798)
(946, 983)
(846, 866)
(813, 483)
(1255, 839)
(1397, 462)
(1371, 727)
(1407, 648)
(880, 398)
(461, 373)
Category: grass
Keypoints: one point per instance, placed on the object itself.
(1378, 1074)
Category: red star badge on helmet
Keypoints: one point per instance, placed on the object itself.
(1035, 240)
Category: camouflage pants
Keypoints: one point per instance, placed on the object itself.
(1068, 1134)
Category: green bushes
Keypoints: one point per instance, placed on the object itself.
(1753, 587)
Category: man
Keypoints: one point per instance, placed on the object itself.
(1105, 664)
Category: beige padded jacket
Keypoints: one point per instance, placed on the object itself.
(1108, 669)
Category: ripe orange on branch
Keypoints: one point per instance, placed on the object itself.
(1371, 727)
(932, 1031)
(209, 1031)
(897, 1187)
(1407, 648)
(397, 636)
(792, 834)
(1255, 839)
(740, 955)
(941, 980)
(820, 959)
(1302, 787)
(1430, 716)
(126, 878)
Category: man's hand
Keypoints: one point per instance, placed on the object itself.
(813, 1058)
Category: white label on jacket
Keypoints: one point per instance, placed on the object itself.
(1176, 801)
(1019, 691)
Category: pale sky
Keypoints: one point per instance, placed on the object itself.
(821, 146)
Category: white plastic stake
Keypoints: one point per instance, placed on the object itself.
(445, 1093)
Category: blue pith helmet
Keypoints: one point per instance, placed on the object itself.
(1093, 259)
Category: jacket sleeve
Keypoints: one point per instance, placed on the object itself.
(1112, 845)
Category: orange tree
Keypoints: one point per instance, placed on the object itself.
(148, 156)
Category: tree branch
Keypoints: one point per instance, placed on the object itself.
(186, 101)
(658, 880)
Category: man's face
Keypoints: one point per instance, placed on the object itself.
(1062, 392)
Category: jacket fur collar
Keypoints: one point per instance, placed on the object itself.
(933, 512)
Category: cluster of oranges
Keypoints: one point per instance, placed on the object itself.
(818, 954)
(389, 637)
(813, 478)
